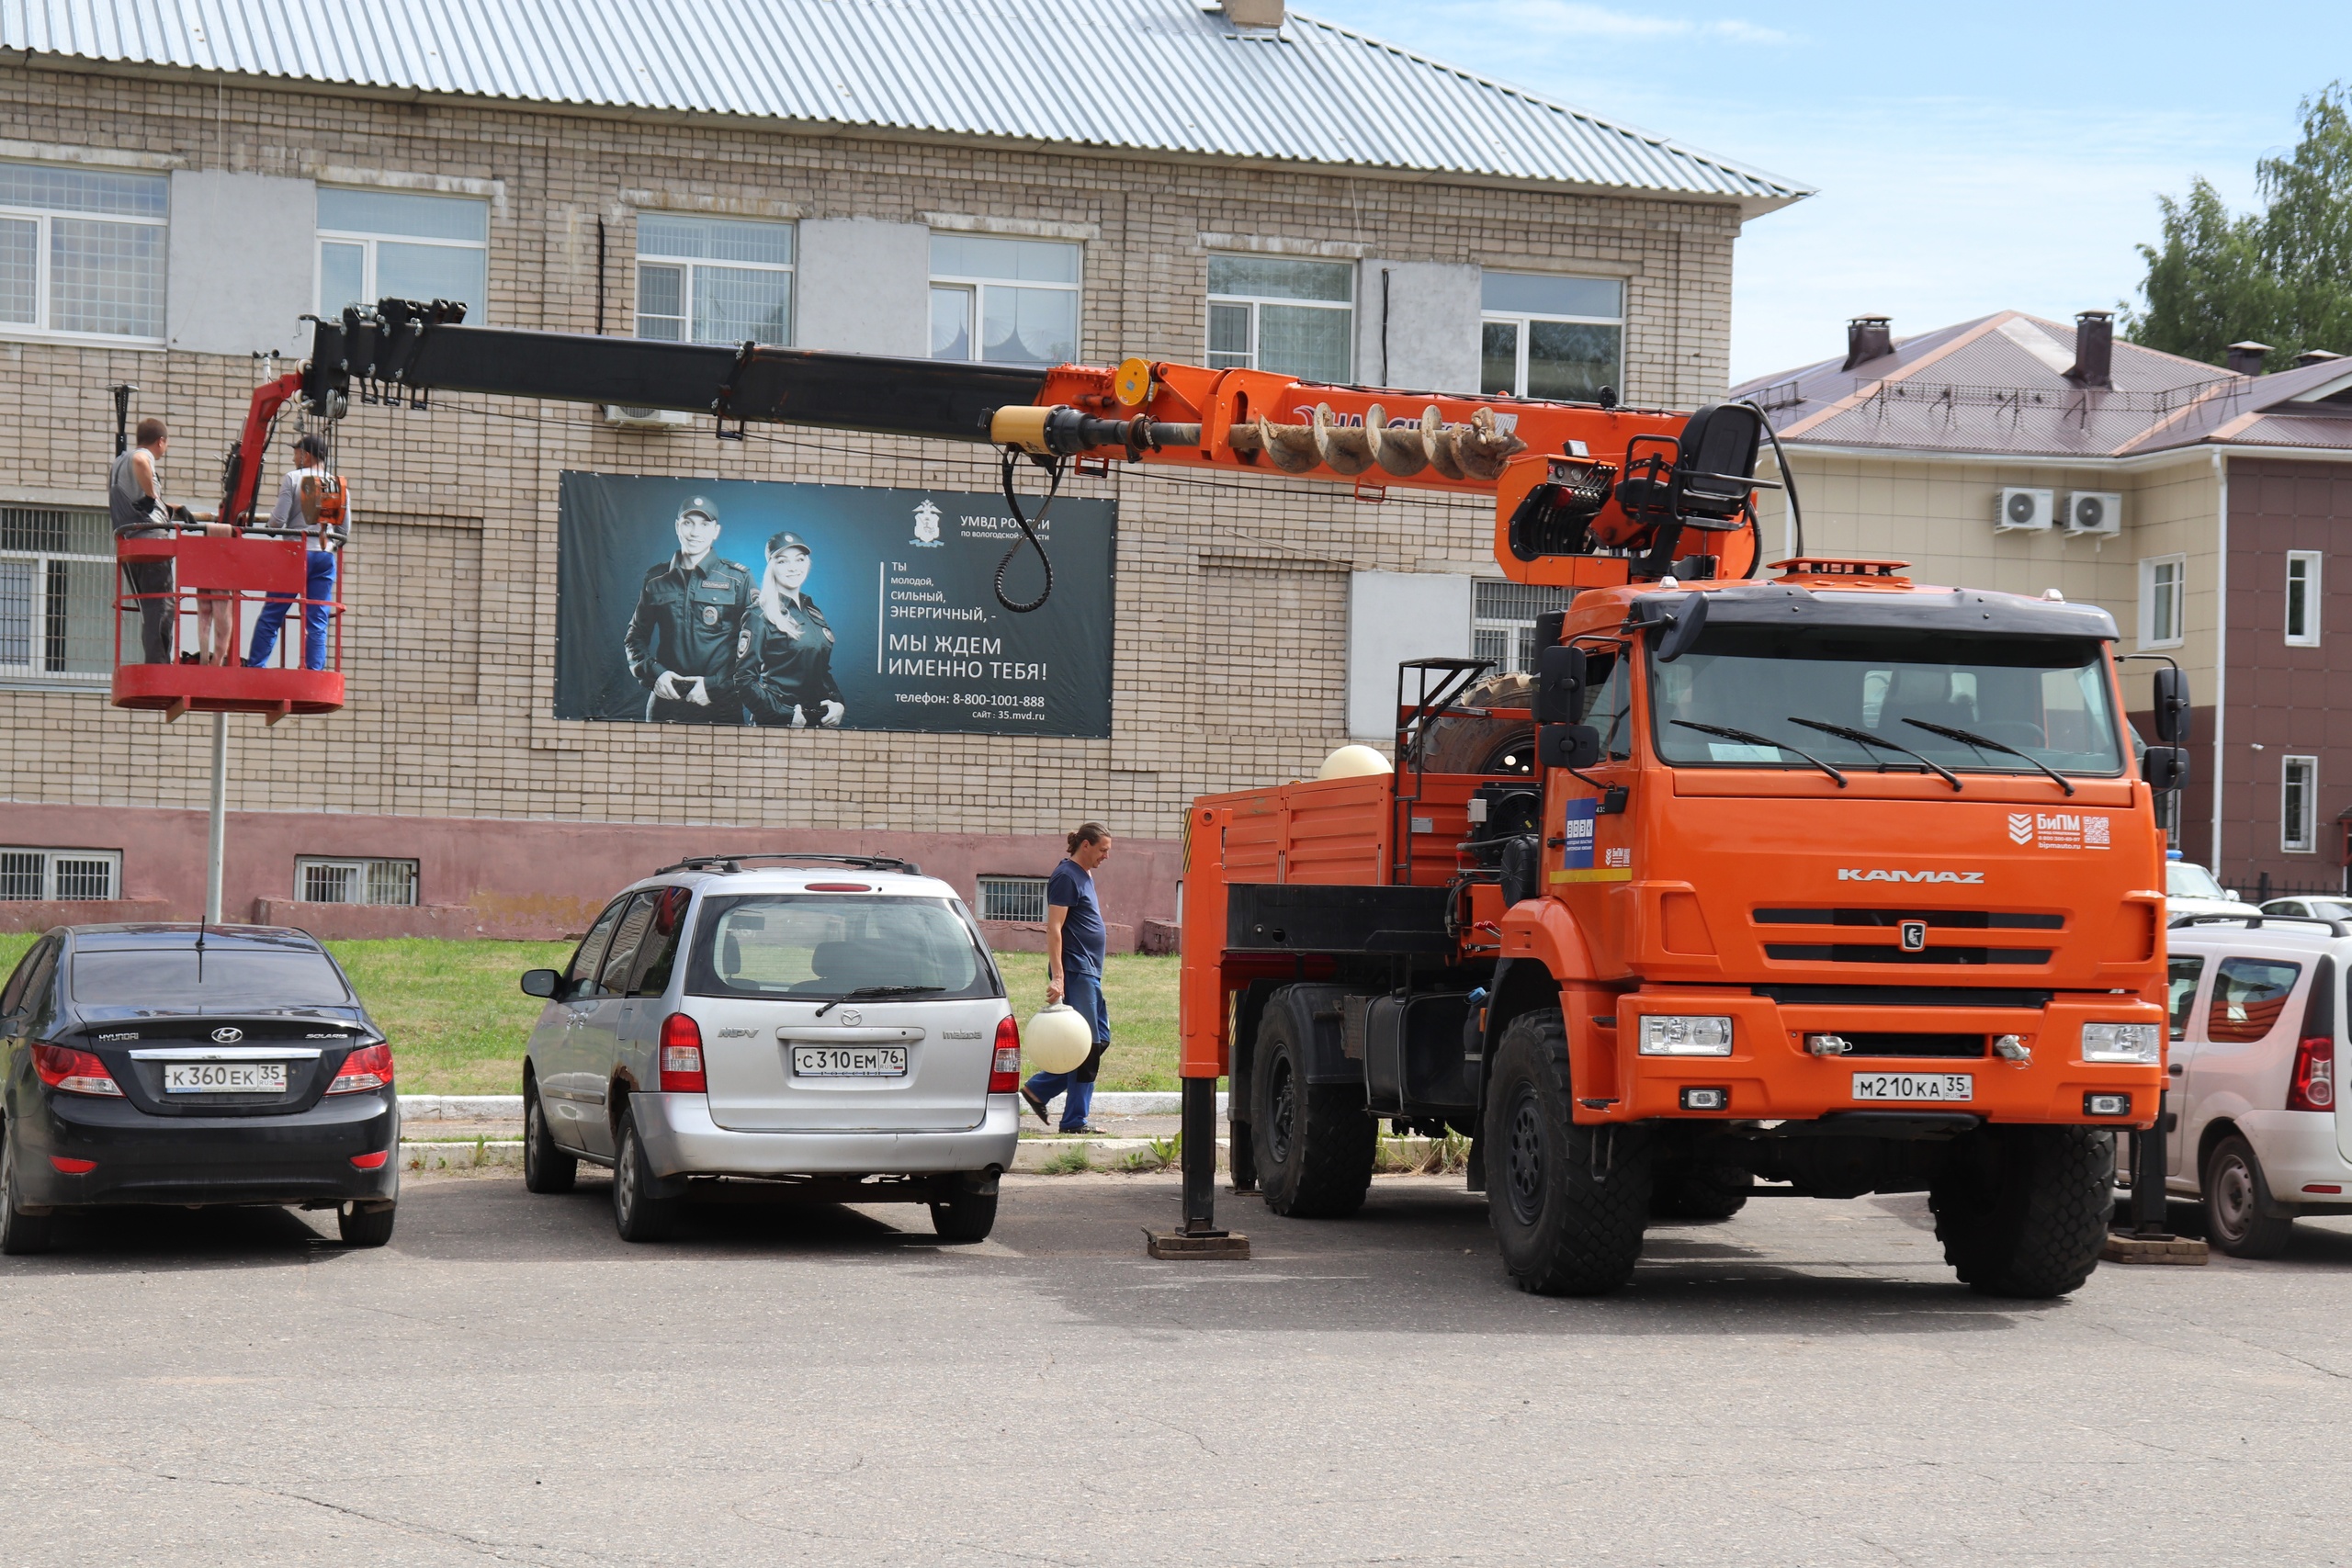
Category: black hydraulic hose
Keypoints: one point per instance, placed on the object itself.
(1788, 483)
(1028, 534)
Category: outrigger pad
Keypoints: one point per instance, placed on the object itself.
(1187, 1244)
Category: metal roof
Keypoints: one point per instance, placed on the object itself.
(1149, 75)
(1996, 386)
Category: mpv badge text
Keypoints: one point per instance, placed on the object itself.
(1846, 873)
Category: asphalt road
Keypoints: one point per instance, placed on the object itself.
(509, 1383)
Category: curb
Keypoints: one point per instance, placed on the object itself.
(486, 1154)
(473, 1108)
(1029, 1156)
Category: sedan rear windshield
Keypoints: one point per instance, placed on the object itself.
(832, 946)
(182, 979)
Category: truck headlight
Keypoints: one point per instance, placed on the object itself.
(1682, 1036)
(2121, 1042)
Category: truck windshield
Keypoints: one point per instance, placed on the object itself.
(828, 947)
(2045, 697)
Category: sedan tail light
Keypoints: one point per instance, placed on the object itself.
(682, 1056)
(370, 1066)
(1005, 1075)
(2313, 1086)
(71, 1071)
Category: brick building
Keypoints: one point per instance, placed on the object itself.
(2197, 504)
(172, 199)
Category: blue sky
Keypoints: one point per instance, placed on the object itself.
(1970, 157)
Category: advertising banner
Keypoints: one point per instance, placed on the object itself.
(794, 607)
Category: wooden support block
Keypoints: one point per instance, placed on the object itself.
(2123, 1247)
(172, 714)
(1176, 1244)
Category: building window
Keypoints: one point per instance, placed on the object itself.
(1003, 301)
(396, 244)
(82, 250)
(56, 594)
(1502, 622)
(2297, 798)
(60, 876)
(2302, 598)
(320, 880)
(1561, 338)
(1019, 899)
(1295, 318)
(2161, 585)
(713, 280)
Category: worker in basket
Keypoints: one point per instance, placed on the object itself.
(136, 507)
(316, 504)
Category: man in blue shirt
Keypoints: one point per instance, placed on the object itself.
(1075, 941)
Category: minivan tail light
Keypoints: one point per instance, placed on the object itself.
(370, 1066)
(682, 1056)
(2313, 1086)
(1004, 1075)
(73, 1072)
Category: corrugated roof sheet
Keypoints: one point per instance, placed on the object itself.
(1151, 76)
(1997, 385)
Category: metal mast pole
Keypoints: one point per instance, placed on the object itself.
(218, 848)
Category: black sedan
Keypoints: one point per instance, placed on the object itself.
(192, 1065)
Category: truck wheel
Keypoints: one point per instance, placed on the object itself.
(2022, 1212)
(1568, 1203)
(1688, 1190)
(2234, 1188)
(546, 1168)
(1490, 746)
(1313, 1143)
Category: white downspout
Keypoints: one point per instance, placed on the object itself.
(2220, 641)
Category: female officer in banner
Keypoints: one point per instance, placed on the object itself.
(784, 660)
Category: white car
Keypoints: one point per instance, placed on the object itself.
(2259, 1133)
(2189, 890)
(2324, 908)
(840, 1028)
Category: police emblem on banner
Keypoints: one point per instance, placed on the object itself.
(926, 525)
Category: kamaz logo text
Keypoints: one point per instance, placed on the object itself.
(1846, 873)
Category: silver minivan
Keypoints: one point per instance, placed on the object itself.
(835, 1024)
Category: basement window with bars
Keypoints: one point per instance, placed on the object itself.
(66, 876)
(321, 880)
(56, 594)
(1502, 622)
(1019, 899)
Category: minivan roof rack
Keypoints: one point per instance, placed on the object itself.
(730, 864)
(2256, 922)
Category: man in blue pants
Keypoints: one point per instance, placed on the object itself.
(1075, 940)
(334, 527)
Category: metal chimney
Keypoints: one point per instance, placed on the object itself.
(2094, 349)
(1867, 338)
(2246, 358)
(2315, 356)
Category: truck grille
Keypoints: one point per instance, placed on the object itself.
(1885, 1045)
(1874, 952)
(1959, 919)
(1904, 995)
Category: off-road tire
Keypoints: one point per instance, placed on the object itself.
(1690, 1189)
(365, 1227)
(638, 1214)
(2231, 1187)
(21, 1235)
(1568, 1203)
(1314, 1144)
(2022, 1212)
(1490, 746)
(964, 1215)
(546, 1167)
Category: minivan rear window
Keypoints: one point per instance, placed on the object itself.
(827, 946)
(184, 980)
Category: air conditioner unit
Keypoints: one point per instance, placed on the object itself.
(2024, 510)
(624, 418)
(2098, 512)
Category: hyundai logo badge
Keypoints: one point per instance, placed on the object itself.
(1915, 935)
(227, 1036)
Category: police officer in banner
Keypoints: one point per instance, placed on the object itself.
(783, 660)
(690, 613)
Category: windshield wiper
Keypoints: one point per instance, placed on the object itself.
(1864, 738)
(1750, 739)
(869, 993)
(1987, 743)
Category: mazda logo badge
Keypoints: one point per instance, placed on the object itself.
(227, 1036)
(852, 1017)
(1915, 935)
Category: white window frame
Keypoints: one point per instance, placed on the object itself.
(2304, 585)
(2148, 600)
(111, 859)
(477, 311)
(2289, 828)
(1223, 360)
(689, 265)
(1022, 888)
(1517, 633)
(977, 308)
(365, 868)
(42, 217)
(36, 673)
(1522, 320)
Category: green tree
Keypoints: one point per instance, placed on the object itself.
(2281, 275)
